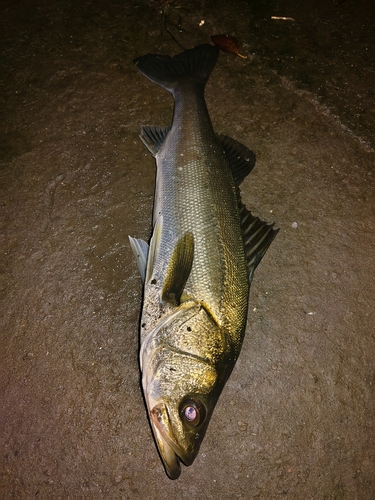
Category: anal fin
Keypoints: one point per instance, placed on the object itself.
(153, 137)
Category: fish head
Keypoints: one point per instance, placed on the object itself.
(182, 383)
(179, 419)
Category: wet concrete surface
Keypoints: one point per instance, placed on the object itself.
(297, 417)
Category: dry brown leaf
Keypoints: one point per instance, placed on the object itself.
(227, 43)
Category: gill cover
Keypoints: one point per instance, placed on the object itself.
(181, 383)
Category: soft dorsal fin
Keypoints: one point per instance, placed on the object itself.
(140, 250)
(153, 137)
(257, 236)
(240, 158)
(178, 270)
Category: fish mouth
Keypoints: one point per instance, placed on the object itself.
(170, 451)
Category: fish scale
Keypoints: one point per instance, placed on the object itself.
(200, 261)
(197, 194)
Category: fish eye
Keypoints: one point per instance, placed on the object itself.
(192, 412)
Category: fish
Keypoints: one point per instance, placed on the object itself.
(199, 263)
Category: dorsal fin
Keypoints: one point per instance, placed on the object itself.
(178, 270)
(153, 137)
(240, 158)
(257, 236)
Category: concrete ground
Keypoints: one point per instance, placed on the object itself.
(297, 417)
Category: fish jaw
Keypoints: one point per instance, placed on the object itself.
(169, 450)
(179, 363)
(176, 440)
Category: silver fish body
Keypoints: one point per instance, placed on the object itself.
(199, 265)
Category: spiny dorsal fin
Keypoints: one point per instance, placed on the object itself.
(140, 250)
(257, 237)
(153, 137)
(240, 158)
(179, 269)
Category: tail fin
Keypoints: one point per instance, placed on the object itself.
(193, 64)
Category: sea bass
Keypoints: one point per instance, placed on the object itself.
(200, 262)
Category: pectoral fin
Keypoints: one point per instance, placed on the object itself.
(179, 269)
(140, 250)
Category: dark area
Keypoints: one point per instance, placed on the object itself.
(296, 419)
